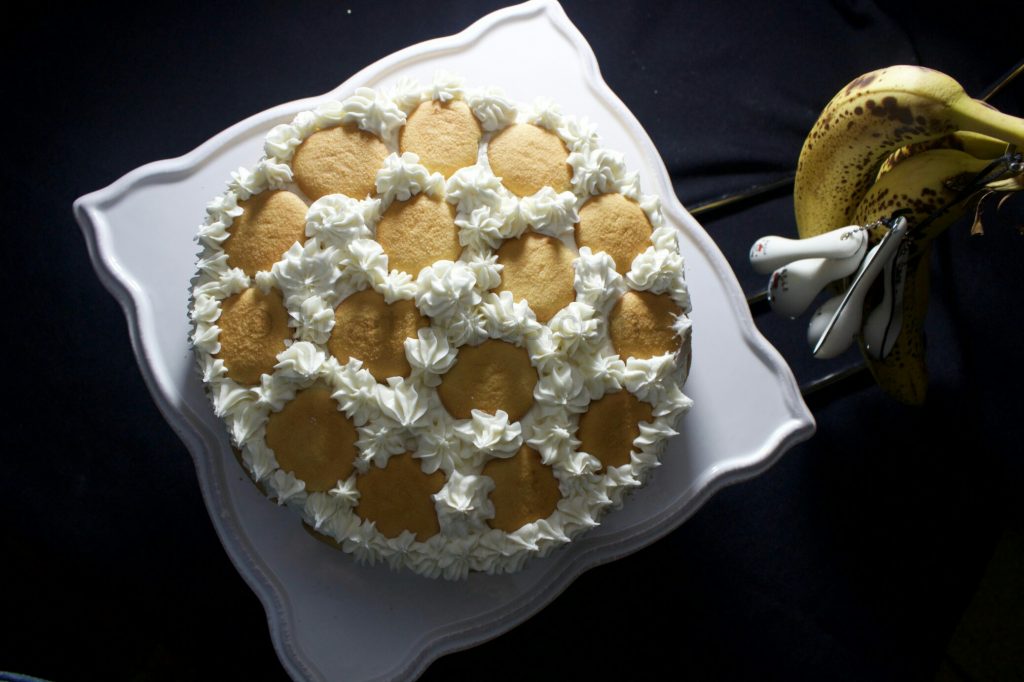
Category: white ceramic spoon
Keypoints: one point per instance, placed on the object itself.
(771, 252)
(821, 317)
(792, 287)
(845, 322)
(883, 324)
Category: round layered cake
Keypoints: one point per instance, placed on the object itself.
(448, 329)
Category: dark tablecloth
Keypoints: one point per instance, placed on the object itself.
(855, 557)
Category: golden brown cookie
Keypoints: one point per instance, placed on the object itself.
(527, 157)
(270, 223)
(525, 489)
(368, 328)
(640, 325)
(313, 440)
(446, 136)
(338, 160)
(610, 425)
(616, 225)
(538, 268)
(253, 329)
(418, 232)
(495, 375)
(398, 497)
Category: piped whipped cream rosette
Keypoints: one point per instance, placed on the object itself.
(444, 327)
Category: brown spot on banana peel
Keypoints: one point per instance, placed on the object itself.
(890, 108)
(860, 82)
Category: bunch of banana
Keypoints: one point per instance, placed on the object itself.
(901, 139)
(869, 119)
(918, 185)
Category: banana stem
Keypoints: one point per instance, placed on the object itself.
(992, 172)
(976, 116)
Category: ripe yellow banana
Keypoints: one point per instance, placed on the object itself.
(977, 145)
(869, 119)
(918, 184)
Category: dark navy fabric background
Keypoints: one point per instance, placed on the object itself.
(853, 558)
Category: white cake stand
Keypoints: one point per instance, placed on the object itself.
(330, 618)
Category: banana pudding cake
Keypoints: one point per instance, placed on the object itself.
(446, 328)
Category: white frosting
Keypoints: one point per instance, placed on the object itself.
(650, 379)
(286, 487)
(245, 183)
(483, 228)
(553, 436)
(446, 87)
(282, 141)
(562, 387)
(596, 281)
(550, 212)
(374, 112)
(438, 447)
(475, 187)
(430, 355)
(259, 460)
(579, 134)
(463, 504)
(307, 271)
(406, 94)
(545, 113)
(508, 319)
(335, 219)
(446, 289)
(602, 171)
(400, 402)
(315, 320)
(576, 328)
(364, 264)
(346, 493)
(543, 349)
(355, 389)
(379, 440)
(485, 268)
(491, 434)
(403, 176)
(603, 371)
(319, 508)
(491, 108)
(660, 268)
(465, 328)
(573, 357)
(299, 361)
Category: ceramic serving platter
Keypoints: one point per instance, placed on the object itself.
(329, 617)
